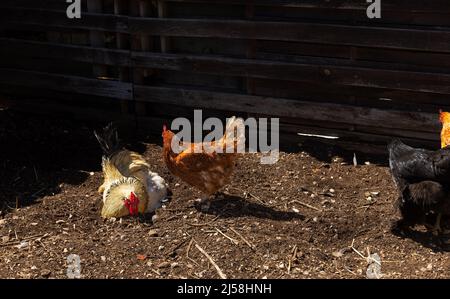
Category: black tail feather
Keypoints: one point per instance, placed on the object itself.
(397, 147)
(108, 140)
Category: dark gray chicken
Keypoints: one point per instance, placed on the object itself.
(423, 180)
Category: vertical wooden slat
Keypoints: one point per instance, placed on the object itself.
(140, 43)
(251, 48)
(96, 38)
(251, 53)
(353, 57)
(119, 7)
(53, 36)
(163, 13)
(80, 38)
(144, 11)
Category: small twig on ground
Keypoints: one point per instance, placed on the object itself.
(367, 205)
(243, 239)
(234, 241)
(40, 236)
(326, 194)
(42, 244)
(156, 272)
(256, 197)
(249, 194)
(174, 216)
(172, 251)
(306, 205)
(17, 241)
(237, 189)
(345, 267)
(219, 271)
(188, 250)
(289, 266)
(189, 247)
(367, 258)
(203, 224)
(362, 231)
(292, 258)
(175, 210)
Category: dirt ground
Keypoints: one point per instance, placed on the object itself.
(311, 215)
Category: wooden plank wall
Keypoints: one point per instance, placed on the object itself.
(323, 67)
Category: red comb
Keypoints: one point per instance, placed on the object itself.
(164, 128)
(132, 204)
(132, 197)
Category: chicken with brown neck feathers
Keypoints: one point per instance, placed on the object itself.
(206, 170)
(129, 187)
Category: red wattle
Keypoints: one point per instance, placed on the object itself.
(132, 203)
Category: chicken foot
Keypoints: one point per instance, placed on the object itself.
(201, 200)
(204, 202)
(437, 226)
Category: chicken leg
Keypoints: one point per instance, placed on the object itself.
(204, 202)
(437, 226)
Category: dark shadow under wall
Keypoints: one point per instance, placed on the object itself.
(38, 153)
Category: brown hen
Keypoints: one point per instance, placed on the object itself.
(206, 166)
